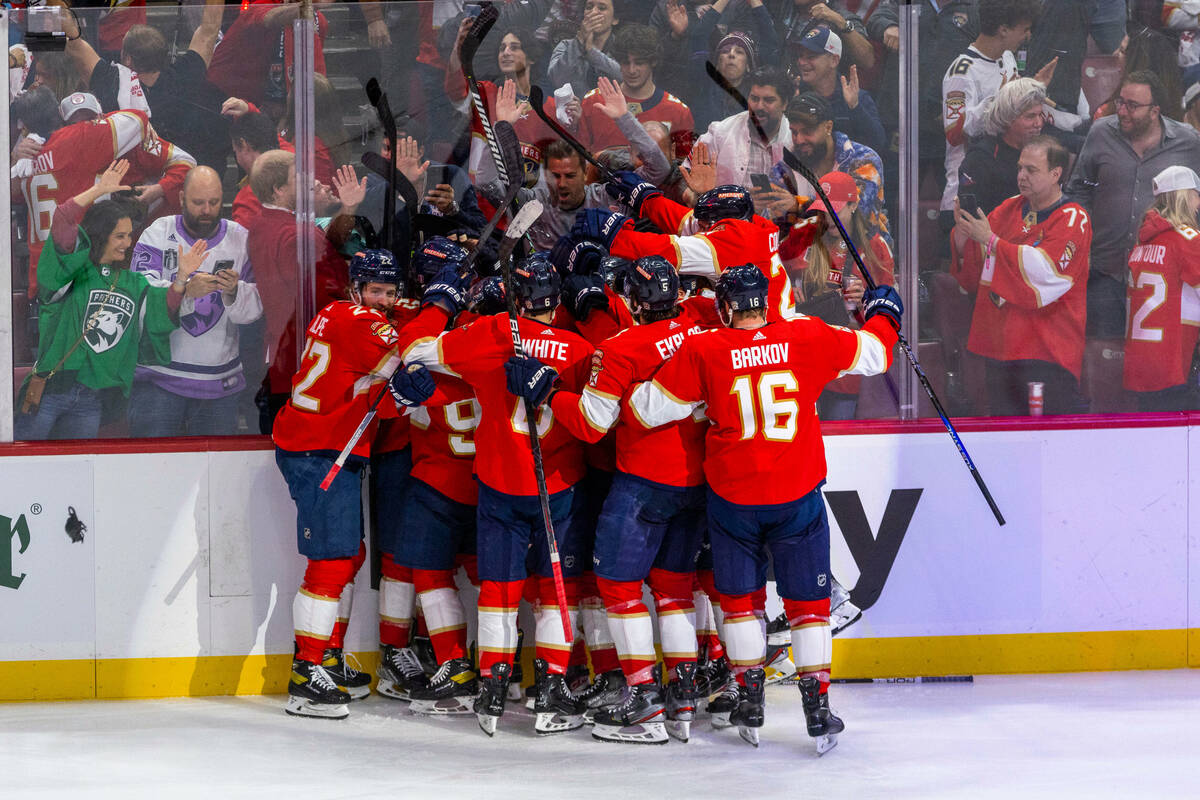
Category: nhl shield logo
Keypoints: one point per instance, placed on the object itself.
(108, 315)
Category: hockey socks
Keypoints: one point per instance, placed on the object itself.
(709, 615)
(315, 609)
(551, 644)
(632, 630)
(676, 616)
(397, 597)
(498, 601)
(346, 603)
(596, 632)
(812, 642)
(745, 637)
(443, 612)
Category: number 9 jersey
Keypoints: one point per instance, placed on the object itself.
(761, 387)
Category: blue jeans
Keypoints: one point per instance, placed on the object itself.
(73, 413)
(153, 411)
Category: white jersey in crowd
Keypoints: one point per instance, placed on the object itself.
(971, 80)
(204, 349)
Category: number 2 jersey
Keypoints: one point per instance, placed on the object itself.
(476, 353)
(761, 385)
(1164, 305)
(1032, 298)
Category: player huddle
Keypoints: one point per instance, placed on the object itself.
(679, 443)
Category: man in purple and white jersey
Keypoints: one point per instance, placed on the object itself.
(197, 393)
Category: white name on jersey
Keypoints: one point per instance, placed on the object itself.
(759, 355)
(543, 349)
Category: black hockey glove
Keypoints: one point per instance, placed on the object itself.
(599, 226)
(632, 190)
(583, 294)
(576, 258)
(448, 289)
(529, 378)
(411, 385)
(883, 299)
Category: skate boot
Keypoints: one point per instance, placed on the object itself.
(423, 647)
(779, 633)
(351, 681)
(842, 613)
(637, 720)
(312, 693)
(489, 704)
(555, 709)
(681, 701)
(751, 709)
(450, 691)
(779, 666)
(723, 705)
(608, 689)
(518, 674)
(823, 725)
(399, 673)
(578, 678)
(712, 677)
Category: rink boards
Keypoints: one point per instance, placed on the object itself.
(183, 581)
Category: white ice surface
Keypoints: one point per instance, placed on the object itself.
(1121, 735)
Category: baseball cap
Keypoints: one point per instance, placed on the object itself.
(79, 101)
(841, 190)
(1190, 95)
(1172, 179)
(820, 39)
(809, 109)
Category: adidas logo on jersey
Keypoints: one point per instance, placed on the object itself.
(758, 336)
(547, 332)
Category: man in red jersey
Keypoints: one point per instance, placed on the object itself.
(350, 350)
(510, 527)
(652, 522)
(74, 156)
(1029, 262)
(722, 229)
(765, 464)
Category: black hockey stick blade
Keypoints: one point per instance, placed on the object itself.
(487, 17)
(538, 101)
(796, 164)
(510, 151)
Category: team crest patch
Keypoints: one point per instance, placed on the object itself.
(385, 332)
(597, 365)
(955, 102)
(1068, 253)
(108, 315)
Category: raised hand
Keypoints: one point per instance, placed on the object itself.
(408, 160)
(612, 99)
(349, 190)
(113, 178)
(702, 175)
(677, 18)
(234, 107)
(850, 87)
(507, 107)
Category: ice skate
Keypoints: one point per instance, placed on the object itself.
(555, 709)
(450, 691)
(351, 681)
(751, 709)
(422, 647)
(842, 613)
(823, 724)
(724, 704)
(638, 720)
(312, 693)
(489, 704)
(779, 633)
(681, 701)
(399, 673)
(712, 676)
(518, 673)
(608, 689)
(779, 666)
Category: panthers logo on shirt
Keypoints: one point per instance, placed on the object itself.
(108, 315)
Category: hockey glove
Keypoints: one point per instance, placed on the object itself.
(883, 299)
(411, 385)
(576, 258)
(529, 378)
(582, 294)
(632, 190)
(448, 289)
(599, 226)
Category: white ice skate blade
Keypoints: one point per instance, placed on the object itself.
(301, 707)
(447, 705)
(826, 743)
(748, 734)
(388, 689)
(552, 722)
(357, 692)
(487, 723)
(640, 733)
(680, 729)
(721, 719)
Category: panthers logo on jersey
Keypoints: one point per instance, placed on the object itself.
(108, 315)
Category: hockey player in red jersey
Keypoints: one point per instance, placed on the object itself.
(510, 531)
(765, 464)
(350, 351)
(722, 229)
(652, 522)
(74, 156)
(1164, 296)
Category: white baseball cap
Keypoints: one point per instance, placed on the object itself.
(80, 101)
(1172, 179)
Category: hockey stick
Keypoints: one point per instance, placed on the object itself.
(396, 182)
(796, 164)
(509, 148)
(466, 56)
(520, 222)
(537, 100)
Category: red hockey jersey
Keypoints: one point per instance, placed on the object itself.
(1164, 305)
(1032, 299)
(671, 455)
(761, 386)
(476, 354)
(394, 434)
(349, 352)
(443, 443)
(728, 243)
(598, 132)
